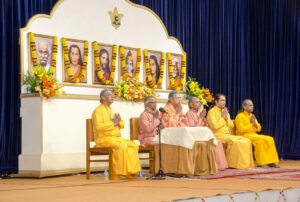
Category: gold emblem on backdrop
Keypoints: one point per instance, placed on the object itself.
(115, 18)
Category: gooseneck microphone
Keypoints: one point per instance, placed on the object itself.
(162, 110)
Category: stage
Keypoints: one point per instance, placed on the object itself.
(77, 188)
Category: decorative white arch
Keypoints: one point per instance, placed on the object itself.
(53, 132)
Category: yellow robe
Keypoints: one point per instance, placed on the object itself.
(264, 147)
(125, 157)
(238, 150)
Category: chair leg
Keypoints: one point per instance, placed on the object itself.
(88, 165)
(152, 162)
(110, 163)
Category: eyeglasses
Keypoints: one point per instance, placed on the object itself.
(43, 52)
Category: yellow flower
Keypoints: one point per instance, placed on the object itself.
(35, 70)
(131, 89)
(203, 101)
(46, 92)
(37, 88)
(195, 89)
(193, 85)
(39, 80)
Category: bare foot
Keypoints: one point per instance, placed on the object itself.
(273, 165)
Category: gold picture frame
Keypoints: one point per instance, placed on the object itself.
(42, 51)
(104, 63)
(176, 71)
(129, 62)
(75, 54)
(154, 65)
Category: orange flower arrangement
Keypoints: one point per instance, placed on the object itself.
(43, 82)
(131, 89)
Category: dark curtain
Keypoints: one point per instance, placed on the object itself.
(14, 15)
(242, 48)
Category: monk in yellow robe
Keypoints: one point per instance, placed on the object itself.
(238, 150)
(106, 129)
(247, 126)
(174, 116)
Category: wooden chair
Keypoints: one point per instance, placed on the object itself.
(94, 151)
(134, 130)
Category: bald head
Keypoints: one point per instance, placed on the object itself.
(191, 100)
(106, 97)
(43, 53)
(150, 103)
(194, 103)
(148, 99)
(174, 98)
(247, 105)
(43, 44)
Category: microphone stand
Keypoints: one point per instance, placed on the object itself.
(160, 174)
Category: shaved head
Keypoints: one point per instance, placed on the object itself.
(247, 105)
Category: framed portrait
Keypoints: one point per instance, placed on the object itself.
(130, 61)
(42, 51)
(176, 71)
(154, 68)
(75, 54)
(104, 63)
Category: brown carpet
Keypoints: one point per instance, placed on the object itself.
(77, 188)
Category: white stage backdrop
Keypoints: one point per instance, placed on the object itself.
(53, 131)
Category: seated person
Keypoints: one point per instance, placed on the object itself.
(196, 114)
(174, 116)
(238, 150)
(106, 130)
(148, 122)
(247, 126)
(195, 118)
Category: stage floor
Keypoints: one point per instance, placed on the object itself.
(77, 188)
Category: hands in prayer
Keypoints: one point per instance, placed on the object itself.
(253, 120)
(203, 113)
(116, 120)
(225, 113)
(184, 120)
(179, 109)
(155, 113)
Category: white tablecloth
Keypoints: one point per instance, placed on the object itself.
(186, 136)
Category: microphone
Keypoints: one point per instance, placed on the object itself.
(162, 110)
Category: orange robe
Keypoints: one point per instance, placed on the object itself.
(195, 120)
(147, 128)
(172, 119)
